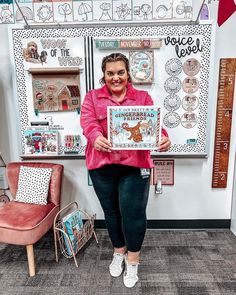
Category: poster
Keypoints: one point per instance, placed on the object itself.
(56, 91)
(141, 66)
(163, 171)
(134, 127)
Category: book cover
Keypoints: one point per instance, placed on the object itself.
(72, 225)
(41, 142)
(134, 127)
(141, 66)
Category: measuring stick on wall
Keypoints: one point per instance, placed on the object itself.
(223, 122)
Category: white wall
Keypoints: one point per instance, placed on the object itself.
(233, 209)
(190, 198)
(9, 145)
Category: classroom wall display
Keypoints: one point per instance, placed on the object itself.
(51, 74)
(94, 11)
(181, 64)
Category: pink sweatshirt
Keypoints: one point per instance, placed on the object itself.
(94, 123)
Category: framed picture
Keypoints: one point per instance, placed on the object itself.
(41, 142)
(141, 66)
(164, 171)
(134, 127)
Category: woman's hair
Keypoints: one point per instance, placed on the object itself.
(113, 57)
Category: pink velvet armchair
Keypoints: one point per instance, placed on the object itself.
(23, 223)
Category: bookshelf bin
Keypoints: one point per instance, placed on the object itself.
(84, 235)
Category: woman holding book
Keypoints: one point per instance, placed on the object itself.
(120, 178)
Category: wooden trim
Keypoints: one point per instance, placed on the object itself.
(59, 70)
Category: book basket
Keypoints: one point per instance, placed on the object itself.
(70, 242)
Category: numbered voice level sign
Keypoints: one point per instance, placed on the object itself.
(223, 122)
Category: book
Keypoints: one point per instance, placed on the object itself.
(134, 127)
(41, 142)
(72, 225)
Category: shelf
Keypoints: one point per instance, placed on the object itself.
(44, 71)
(82, 157)
(60, 157)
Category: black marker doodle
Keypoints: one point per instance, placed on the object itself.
(123, 11)
(84, 9)
(105, 7)
(65, 9)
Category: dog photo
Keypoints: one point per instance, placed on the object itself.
(31, 53)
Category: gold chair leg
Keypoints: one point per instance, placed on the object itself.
(30, 255)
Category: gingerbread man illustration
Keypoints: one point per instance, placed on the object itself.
(135, 132)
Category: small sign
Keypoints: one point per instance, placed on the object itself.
(192, 141)
(129, 43)
(140, 43)
(163, 171)
(107, 44)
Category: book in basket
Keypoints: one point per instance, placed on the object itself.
(72, 225)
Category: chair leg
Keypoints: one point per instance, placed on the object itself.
(30, 255)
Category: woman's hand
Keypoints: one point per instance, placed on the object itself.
(164, 144)
(101, 144)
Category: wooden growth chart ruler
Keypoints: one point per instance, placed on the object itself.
(223, 122)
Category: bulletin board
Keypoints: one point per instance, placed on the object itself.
(179, 84)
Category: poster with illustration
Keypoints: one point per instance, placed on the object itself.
(58, 91)
(141, 66)
(53, 52)
(41, 142)
(134, 128)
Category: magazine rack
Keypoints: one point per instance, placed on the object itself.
(3, 183)
(62, 238)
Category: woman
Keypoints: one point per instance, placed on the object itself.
(119, 178)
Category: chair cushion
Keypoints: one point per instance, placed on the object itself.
(33, 185)
(22, 216)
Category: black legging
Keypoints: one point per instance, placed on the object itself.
(123, 194)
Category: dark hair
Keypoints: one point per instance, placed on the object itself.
(113, 57)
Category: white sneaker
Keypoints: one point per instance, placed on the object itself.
(117, 265)
(130, 275)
